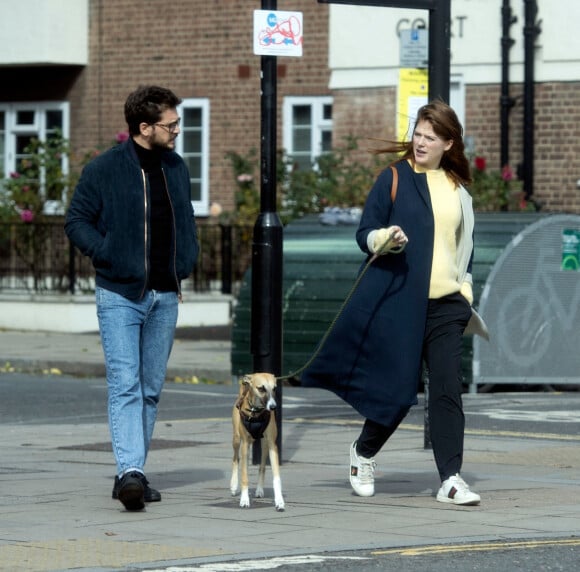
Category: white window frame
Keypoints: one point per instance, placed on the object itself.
(457, 97)
(201, 207)
(38, 129)
(319, 125)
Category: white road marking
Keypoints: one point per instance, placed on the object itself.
(249, 565)
(522, 415)
(206, 393)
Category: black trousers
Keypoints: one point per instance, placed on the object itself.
(447, 318)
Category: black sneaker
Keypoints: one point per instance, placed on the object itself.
(149, 494)
(131, 491)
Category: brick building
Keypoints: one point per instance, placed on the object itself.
(202, 50)
(70, 64)
(364, 59)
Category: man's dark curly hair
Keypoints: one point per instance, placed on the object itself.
(146, 104)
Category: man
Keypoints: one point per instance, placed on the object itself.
(131, 214)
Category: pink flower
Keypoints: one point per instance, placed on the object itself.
(15, 175)
(507, 173)
(122, 136)
(480, 163)
(26, 215)
(25, 188)
(245, 178)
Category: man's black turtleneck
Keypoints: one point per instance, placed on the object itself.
(160, 253)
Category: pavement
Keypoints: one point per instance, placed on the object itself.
(200, 353)
(56, 512)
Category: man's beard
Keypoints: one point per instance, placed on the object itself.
(159, 147)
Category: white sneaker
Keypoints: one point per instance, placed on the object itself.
(362, 474)
(455, 490)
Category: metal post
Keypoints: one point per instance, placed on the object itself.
(426, 423)
(531, 30)
(439, 87)
(71, 268)
(440, 50)
(506, 101)
(266, 323)
(439, 37)
(439, 71)
(226, 236)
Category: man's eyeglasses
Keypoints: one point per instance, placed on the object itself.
(170, 127)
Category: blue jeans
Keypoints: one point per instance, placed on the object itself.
(137, 336)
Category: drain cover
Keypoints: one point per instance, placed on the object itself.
(155, 444)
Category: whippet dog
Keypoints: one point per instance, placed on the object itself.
(253, 418)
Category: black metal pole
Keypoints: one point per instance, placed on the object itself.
(266, 322)
(71, 268)
(531, 30)
(426, 422)
(226, 236)
(440, 50)
(439, 88)
(439, 37)
(439, 72)
(506, 102)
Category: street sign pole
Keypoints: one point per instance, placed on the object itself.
(440, 50)
(266, 322)
(439, 37)
(439, 76)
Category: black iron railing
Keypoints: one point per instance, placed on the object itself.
(39, 258)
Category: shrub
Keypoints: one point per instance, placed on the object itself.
(495, 190)
(338, 178)
(40, 178)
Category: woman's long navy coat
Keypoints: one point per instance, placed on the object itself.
(372, 356)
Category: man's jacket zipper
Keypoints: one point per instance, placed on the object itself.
(145, 227)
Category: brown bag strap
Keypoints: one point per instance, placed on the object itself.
(394, 184)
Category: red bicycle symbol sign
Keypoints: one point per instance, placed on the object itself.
(286, 32)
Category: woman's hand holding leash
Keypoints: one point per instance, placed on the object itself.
(391, 239)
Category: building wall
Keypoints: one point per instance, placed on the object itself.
(364, 58)
(369, 114)
(199, 49)
(556, 137)
(44, 32)
(203, 49)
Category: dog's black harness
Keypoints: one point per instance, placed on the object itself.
(255, 419)
(256, 425)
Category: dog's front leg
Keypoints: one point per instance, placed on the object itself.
(262, 470)
(235, 460)
(277, 482)
(245, 493)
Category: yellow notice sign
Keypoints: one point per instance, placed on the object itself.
(412, 94)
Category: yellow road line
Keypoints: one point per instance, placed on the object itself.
(404, 427)
(474, 432)
(477, 547)
(496, 433)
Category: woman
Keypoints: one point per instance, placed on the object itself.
(412, 305)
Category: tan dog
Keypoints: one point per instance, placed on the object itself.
(253, 418)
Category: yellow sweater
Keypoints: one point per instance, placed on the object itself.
(447, 214)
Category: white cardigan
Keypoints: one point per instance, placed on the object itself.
(476, 324)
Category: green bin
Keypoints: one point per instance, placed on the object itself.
(321, 263)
